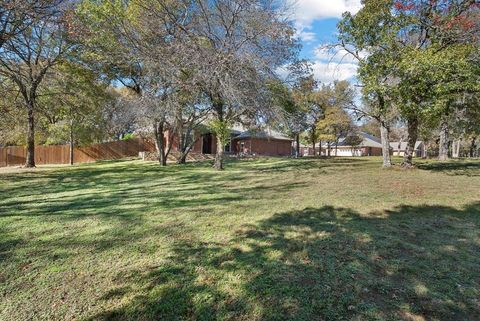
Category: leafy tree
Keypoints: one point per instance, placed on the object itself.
(354, 139)
(431, 84)
(335, 125)
(308, 101)
(371, 127)
(399, 36)
(122, 44)
(335, 121)
(30, 53)
(368, 37)
(12, 121)
(294, 101)
(71, 101)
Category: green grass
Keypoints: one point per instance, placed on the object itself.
(270, 239)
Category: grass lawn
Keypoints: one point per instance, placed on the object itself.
(269, 239)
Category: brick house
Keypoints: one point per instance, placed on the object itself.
(261, 143)
(257, 143)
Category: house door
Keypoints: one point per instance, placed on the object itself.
(207, 144)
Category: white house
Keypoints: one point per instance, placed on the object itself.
(370, 146)
(400, 147)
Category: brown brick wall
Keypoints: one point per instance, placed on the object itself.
(265, 147)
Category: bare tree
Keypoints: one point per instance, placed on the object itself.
(18, 15)
(233, 47)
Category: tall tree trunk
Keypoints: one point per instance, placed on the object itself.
(412, 129)
(336, 148)
(328, 148)
(158, 130)
(443, 145)
(473, 144)
(297, 147)
(456, 148)
(30, 161)
(218, 163)
(181, 139)
(313, 145)
(385, 137)
(71, 142)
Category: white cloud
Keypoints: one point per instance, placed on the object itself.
(337, 55)
(306, 11)
(334, 64)
(306, 36)
(327, 72)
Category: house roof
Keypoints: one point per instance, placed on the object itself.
(269, 134)
(403, 145)
(368, 141)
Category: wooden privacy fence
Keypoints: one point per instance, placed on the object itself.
(60, 154)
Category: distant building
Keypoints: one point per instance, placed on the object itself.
(399, 148)
(369, 146)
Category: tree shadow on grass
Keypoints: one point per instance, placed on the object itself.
(279, 165)
(458, 167)
(410, 263)
(129, 190)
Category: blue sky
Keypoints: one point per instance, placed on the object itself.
(316, 21)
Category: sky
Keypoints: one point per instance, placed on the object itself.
(316, 21)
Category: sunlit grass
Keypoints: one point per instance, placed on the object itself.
(269, 239)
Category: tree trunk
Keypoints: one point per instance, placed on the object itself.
(71, 142)
(385, 137)
(336, 148)
(182, 159)
(184, 152)
(412, 129)
(472, 146)
(313, 140)
(30, 161)
(218, 164)
(297, 147)
(443, 145)
(181, 139)
(158, 130)
(328, 149)
(456, 148)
